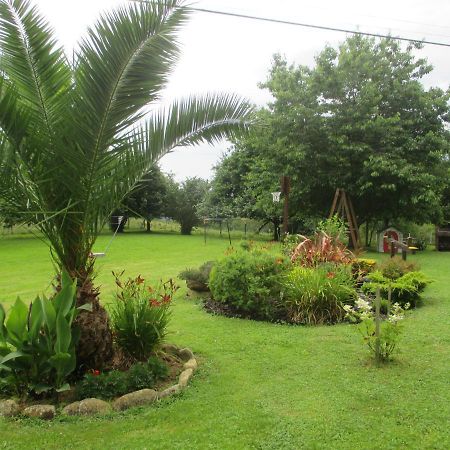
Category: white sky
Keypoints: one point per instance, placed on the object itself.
(232, 55)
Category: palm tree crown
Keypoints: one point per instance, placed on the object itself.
(75, 138)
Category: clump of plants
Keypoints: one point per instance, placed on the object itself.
(320, 249)
(108, 385)
(380, 334)
(250, 283)
(197, 279)
(140, 315)
(334, 227)
(396, 267)
(37, 343)
(405, 289)
(318, 295)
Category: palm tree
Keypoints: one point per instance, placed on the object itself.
(75, 138)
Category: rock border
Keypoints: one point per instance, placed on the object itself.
(94, 406)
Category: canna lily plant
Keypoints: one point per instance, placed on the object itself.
(77, 136)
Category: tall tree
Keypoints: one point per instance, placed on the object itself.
(361, 120)
(184, 200)
(149, 199)
(75, 139)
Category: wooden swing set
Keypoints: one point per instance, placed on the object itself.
(343, 207)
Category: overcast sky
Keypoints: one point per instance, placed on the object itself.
(232, 54)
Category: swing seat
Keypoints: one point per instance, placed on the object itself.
(99, 255)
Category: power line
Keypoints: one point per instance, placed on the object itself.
(318, 27)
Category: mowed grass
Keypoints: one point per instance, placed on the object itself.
(260, 386)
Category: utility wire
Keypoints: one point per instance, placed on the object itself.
(318, 27)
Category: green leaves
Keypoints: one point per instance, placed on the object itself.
(38, 345)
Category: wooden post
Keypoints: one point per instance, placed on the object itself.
(393, 249)
(377, 327)
(389, 300)
(285, 189)
(404, 254)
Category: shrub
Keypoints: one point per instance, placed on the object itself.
(37, 343)
(115, 383)
(406, 289)
(140, 315)
(363, 266)
(197, 279)
(395, 267)
(321, 249)
(250, 282)
(335, 227)
(317, 295)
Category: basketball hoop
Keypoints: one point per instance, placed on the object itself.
(276, 197)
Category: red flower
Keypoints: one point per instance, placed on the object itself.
(330, 275)
(95, 372)
(139, 280)
(166, 298)
(154, 302)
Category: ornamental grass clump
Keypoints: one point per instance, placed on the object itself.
(317, 295)
(140, 315)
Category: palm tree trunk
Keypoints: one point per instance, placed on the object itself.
(95, 347)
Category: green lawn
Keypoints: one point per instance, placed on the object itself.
(260, 385)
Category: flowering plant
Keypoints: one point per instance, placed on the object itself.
(382, 341)
(319, 250)
(140, 314)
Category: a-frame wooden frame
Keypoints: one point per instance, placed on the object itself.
(343, 207)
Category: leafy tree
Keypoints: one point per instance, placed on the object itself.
(361, 120)
(184, 200)
(148, 200)
(75, 139)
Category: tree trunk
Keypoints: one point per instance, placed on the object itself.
(276, 230)
(367, 232)
(95, 347)
(147, 223)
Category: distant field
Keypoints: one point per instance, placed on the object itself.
(260, 386)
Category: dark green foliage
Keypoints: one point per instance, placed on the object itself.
(250, 282)
(140, 315)
(149, 199)
(395, 267)
(317, 295)
(405, 289)
(184, 199)
(37, 343)
(360, 119)
(200, 275)
(115, 383)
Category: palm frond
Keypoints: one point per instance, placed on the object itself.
(32, 62)
(122, 66)
(191, 121)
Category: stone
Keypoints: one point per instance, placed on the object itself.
(185, 377)
(191, 364)
(45, 412)
(170, 348)
(185, 354)
(169, 391)
(71, 409)
(137, 398)
(9, 408)
(87, 407)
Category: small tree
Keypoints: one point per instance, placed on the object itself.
(148, 200)
(186, 197)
